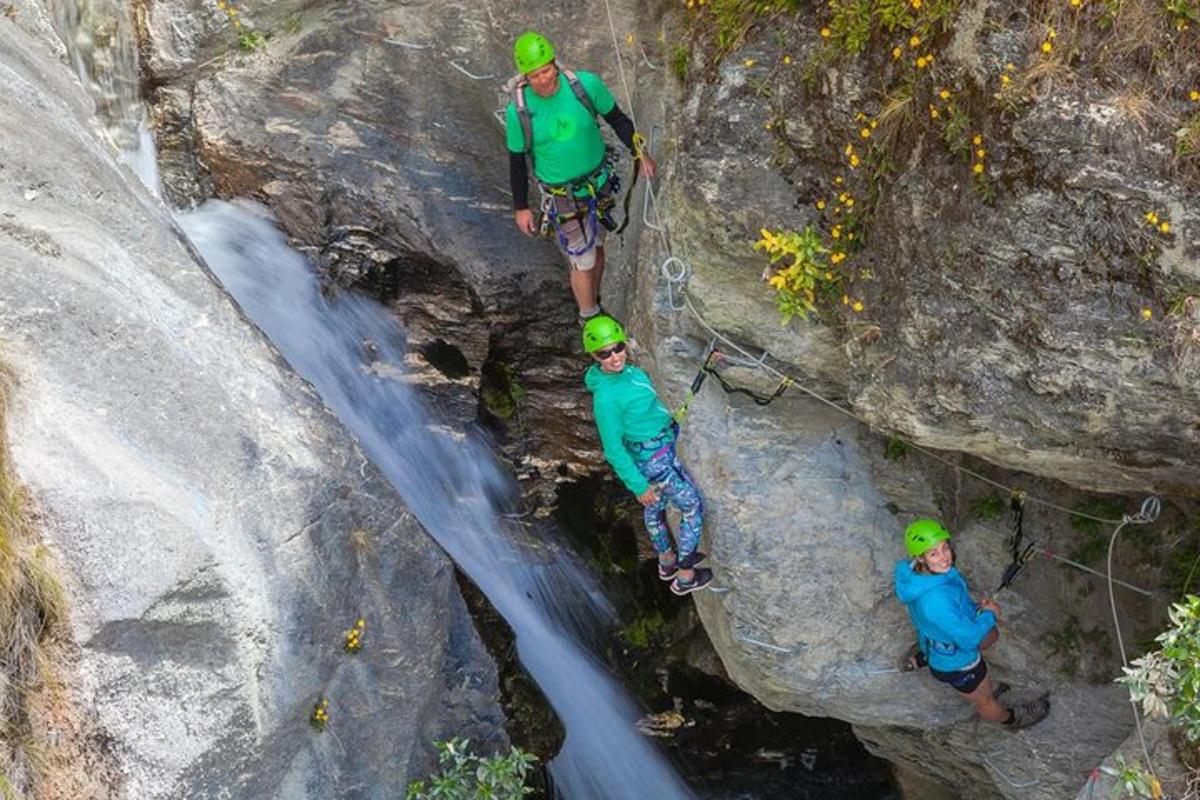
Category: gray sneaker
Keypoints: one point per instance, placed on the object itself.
(1026, 715)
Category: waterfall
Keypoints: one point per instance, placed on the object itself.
(351, 350)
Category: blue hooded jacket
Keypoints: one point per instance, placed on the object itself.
(949, 626)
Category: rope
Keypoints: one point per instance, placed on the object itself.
(1146, 515)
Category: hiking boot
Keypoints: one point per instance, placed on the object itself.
(667, 573)
(701, 578)
(1025, 715)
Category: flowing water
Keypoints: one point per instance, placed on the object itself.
(351, 350)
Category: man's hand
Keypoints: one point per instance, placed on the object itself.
(649, 168)
(647, 497)
(524, 219)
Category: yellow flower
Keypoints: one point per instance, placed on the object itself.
(828, 276)
(1147, 313)
(944, 94)
(929, 58)
(980, 153)
(820, 205)
(849, 202)
(749, 62)
(916, 3)
(854, 162)
(933, 112)
(777, 281)
(849, 149)
(1010, 67)
(838, 180)
(977, 169)
(836, 232)
(1005, 80)
(842, 197)
(837, 258)
(977, 140)
(1194, 96)
(232, 12)
(787, 59)
(767, 126)
(865, 133)
(1151, 218)
(221, 4)
(825, 32)
(850, 236)
(897, 52)
(858, 306)
(1050, 34)
(874, 124)
(845, 300)
(921, 62)
(914, 41)
(1046, 46)
(1076, 3)
(1164, 227)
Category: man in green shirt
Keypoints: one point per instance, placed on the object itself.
(552, 121)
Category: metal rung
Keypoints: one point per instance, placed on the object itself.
(410, 45)
(987, 759)
(458, 65)
(649, 198)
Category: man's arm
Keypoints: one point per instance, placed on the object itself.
(623, 127)
(518, 180)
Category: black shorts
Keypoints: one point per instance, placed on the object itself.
(965, 680)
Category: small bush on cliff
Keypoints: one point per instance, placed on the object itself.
(466, 776)
(1167, 681)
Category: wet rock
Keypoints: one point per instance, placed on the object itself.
(219, 529)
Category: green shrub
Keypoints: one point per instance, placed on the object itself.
(1167, 681)
(466, 776)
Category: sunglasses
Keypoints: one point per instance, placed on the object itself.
(608, 352)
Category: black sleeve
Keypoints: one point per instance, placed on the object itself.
(621, 124)
(518, 180)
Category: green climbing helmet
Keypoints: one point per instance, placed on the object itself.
(924, 534)
(601, 331)
(532, 50)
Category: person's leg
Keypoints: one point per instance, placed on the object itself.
(655, 514)
(682, 492)
(985, 702)
(597, 274)
(583, 291)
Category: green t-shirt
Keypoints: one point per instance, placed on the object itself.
(567, 143)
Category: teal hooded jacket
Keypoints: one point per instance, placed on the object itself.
(627, 410)
(950, 627)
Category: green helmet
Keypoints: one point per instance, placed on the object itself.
(532, 50)
(924, 534)
(601, 331)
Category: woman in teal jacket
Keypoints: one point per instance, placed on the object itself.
(638, 435)
(951, 628)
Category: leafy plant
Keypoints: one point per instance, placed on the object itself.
(251, 39)
(466, 776)
(895, 449)
(1167, 681)
(803, 269)
(1132, 780)
(989, 507)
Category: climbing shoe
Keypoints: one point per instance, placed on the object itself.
(667, 573)
(1025, 715)
(701, 578)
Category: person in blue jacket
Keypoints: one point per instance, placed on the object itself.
(639, 435)
(951, 628)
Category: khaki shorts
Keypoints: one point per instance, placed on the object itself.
(578, 231)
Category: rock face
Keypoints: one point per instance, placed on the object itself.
(218, 527)
(362, 131)
(999, 327)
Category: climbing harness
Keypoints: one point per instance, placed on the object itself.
(597, 209)
(1020, 557)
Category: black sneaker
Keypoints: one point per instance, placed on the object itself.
(701, 578)
(667, 573)
(1026, 715)
(913, 659)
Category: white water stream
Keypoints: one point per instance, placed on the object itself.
(450, 482)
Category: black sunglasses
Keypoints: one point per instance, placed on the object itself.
(606, 353)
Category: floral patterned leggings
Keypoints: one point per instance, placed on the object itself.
(674, 486)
